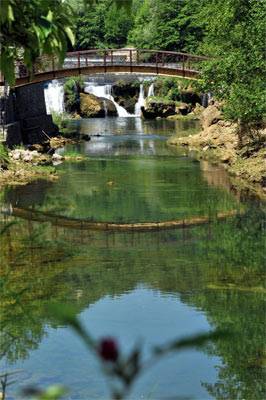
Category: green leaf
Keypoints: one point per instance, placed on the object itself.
(10, 13)
(70, 35)
(49, 16)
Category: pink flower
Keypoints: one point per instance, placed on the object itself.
(108, 349)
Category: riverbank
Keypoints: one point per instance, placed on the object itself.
(22, 166)
(219, 142)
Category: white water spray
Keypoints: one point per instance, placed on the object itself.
(140, 102)
(151, 90)
(105, 91)
(54, 97)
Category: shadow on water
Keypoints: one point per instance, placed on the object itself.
(153, 285)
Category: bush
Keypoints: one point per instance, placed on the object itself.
(4, 158)
(72, 88)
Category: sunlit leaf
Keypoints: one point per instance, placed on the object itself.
(49, 16)
(10, 13)
(70, 35)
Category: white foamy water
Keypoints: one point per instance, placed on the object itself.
(54, 97)
(105, 91)
(140, 102)
(151, 90)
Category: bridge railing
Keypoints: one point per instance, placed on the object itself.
(186, 64)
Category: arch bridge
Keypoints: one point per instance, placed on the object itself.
(90, 62)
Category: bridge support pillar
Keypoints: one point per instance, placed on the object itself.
(25, 117)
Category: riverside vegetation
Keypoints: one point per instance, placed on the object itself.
(217, 269)
(230, 33)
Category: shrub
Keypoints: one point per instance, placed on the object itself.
(72, 88)
(4, 158)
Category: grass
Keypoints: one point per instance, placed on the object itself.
(162, 99)
(60, 119)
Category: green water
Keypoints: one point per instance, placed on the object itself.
(148, 287)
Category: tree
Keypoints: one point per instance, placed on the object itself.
(235, 40)
(33, 28)
(104, 24)
(117, 24)
(90, 27)
(166, 25)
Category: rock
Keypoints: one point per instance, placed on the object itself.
(198, 110)
(85, 137)
(110, 107)
(16, 155)
(183, 108)
(39, 147)
(27, 157)
(57, 157)
(210, 116)
(91, 106)
(126, 94)
(153, 109)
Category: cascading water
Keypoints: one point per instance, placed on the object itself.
(54, 97)
(140, 102)
(105, 91)
(151, 90)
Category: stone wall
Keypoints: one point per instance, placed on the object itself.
(25, 116)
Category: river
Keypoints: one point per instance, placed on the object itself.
(140, 287)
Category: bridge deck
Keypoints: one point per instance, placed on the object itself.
(90, 62)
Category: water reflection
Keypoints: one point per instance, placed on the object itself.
(153, 286)
(150, 181)
(121, 126)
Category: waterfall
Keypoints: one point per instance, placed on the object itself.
(140, 102)
(54, 97)
(105, 91)
(141, 99)
(206, 99)
(151, 90)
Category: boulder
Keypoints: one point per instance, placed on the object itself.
(211, 115)
(126, 94)
(109, 107)
(57, 157)
(198, 110)
(153, 109)
(127, 102)
(91, 106)
(183, 109)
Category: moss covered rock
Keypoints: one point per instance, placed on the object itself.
(154, 108)
(91, 106)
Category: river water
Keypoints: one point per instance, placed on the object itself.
(140, 287)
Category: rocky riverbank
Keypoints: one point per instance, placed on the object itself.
(219, 141)
(22, 166)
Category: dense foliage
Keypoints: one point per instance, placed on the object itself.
(104, 24)
(32, 28)
(235, 39)
(165, 25)
(231, 32)
(72, 88)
